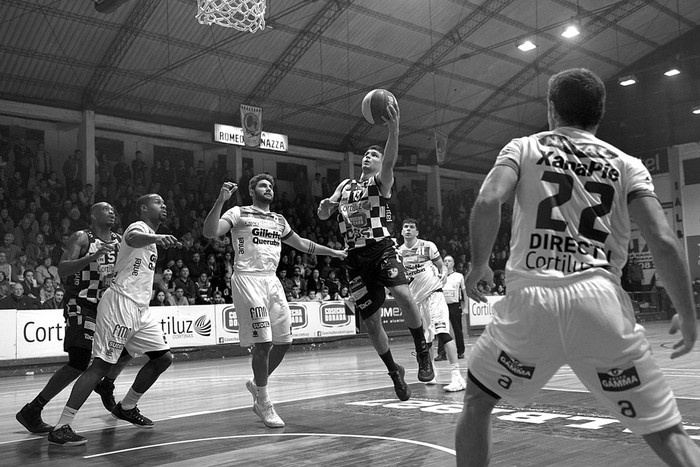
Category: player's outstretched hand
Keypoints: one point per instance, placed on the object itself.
(167, 241)
(475, 275)
(689, 333)
(327, 204)
(228, 189)
(106, 248)
(342, 254)
(393, 121)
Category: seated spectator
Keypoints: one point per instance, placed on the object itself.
(17, 300)
(7, 225)
(326, 268)
(188, 285)
(315, 282)
(31, 288)
(218, 298)
(343, 294)
(212, 267)
(324, 295)
(204, 289)
(196, 265)
(46, 269)
(296, 296)
(223, 285)
(8, 246)
(159, 299)
(20, 266)
(333, 283)
(47, 290)
(179, 298)
(5, 285)
(227, 263)
(5, 266)
(55, 302)
(23, 232)
(298, 280)
(165, 283)
(37, 249)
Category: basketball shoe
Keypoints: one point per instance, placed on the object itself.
(425, 365)
(30, 418)
(457, 384)
(266, 412)
(106, 391)
(65, 436)
(132, 416)
(403, 392)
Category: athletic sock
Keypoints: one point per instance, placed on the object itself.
(39, 402)
(131, 399)
(454, 370)
(418, 338)
(263, 397)
(67, 416)
(389, 361)
(107, 380)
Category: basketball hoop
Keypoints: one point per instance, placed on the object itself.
(244, 15)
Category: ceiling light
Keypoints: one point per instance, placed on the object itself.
(525, 45)
(627, 80)
(696, 110)
(571, 30)
(673, 71)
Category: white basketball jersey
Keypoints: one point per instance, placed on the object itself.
(135, 267)
(420, 270)
(256, 236)
(570, 215)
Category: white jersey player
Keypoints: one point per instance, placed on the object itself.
(426, 272)
(574, 194)
(124, 322)
(258, 296)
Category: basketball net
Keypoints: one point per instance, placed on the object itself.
(244, 15)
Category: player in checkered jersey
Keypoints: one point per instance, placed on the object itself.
(574, 195)
(373, 261)
(87, 266)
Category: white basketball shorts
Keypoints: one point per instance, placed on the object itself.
(590, 326)
(122, 324)
(435, 315)
(262, 309)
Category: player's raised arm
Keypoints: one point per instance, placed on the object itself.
(214, 226)
(391, 150)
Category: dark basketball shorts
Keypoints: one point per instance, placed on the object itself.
(80, 316)
(371, 268)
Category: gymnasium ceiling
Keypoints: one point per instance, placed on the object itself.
(452, 64)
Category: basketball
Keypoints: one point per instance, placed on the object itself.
(375, 103)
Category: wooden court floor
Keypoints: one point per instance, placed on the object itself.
(340, 410)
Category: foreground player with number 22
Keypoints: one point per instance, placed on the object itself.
(264, 317)
(574, 194)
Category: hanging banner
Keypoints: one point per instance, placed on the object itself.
(251, 121)
(440, 146)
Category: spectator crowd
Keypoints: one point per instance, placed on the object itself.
(42, 205)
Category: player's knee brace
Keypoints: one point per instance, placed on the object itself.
(79, 358)
(444, 338)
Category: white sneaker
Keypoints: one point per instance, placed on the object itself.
(268, 415)
(252, 388)
(457, 384)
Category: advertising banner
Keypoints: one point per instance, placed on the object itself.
(186, 326)
(226, 325)
(480, 314)
(40, 333)
(392, 317)
(334, 321)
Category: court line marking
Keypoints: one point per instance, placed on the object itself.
(326, 435)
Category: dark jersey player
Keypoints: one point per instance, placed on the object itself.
(87, 267)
